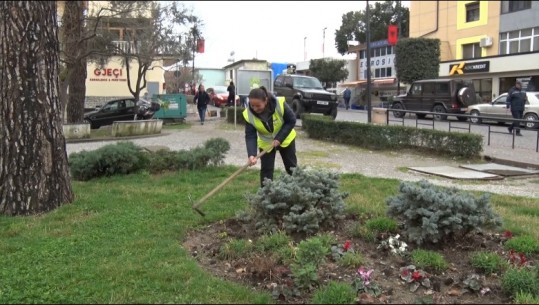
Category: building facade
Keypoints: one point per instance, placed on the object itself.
(493, 43)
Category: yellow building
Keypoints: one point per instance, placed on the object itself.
(109, 81)
(494, 43)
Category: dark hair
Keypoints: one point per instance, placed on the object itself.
(200, 86)
(231, 83)
(259, 93)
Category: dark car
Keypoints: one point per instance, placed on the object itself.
(444, 96)
(305, 94)
(115, 110)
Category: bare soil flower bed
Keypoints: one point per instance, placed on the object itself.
(261, 271)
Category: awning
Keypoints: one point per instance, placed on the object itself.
(357, 82)
(383, 81)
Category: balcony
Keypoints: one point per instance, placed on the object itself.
(127, 46)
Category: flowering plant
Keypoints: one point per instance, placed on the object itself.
(363, 283)
(394, 245)
(338, 251)
(507, 234)
(416, 277)
(517, 259)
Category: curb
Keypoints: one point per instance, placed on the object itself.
(511, 162)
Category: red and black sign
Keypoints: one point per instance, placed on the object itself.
(392, 34)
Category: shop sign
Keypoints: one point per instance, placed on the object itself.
(108, 74)
(469, 67)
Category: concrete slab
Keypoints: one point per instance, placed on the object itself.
(456, 172)
(500, 169)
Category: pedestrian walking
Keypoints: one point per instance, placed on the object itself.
(231, 94)
(346, 94)
(201, 99)
(516, 100)
(270, 127)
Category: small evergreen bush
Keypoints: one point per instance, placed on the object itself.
(488, 262)
(434, 214)
(113, 159)
(312, 251)
(351, 259)
(521, 280)
(334, 293)
(382, 225)
(523, 244)
(305, 276)
(429, 260)
(304, 202)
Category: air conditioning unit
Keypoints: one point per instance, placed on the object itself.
(485, 42)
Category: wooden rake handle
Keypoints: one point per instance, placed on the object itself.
(225, 182)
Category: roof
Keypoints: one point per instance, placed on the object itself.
(237, 63)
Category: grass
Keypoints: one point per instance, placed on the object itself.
(488, 262)
(120, 240)
(429, 260)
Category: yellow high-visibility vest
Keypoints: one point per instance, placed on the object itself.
(265, 138)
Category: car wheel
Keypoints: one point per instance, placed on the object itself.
(298, 108)
(92, 126)
(333, 113)
(398, 114)
(532, 117)
(439, 109)
(475, 119)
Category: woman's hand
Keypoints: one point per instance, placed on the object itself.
(276, 143)
(252, 160)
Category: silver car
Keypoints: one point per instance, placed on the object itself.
(498, 108)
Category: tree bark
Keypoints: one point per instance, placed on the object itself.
(75, 50)
(34, 170)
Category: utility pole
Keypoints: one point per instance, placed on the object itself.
(368, 64)
(323, 41)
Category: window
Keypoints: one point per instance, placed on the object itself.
(442, 88)
(472, 11)
(520, 41)
(382, 72)
(513, 6)
(362, 54)
(279, 81)
(416, 89)
(389, 50)
(288, 81)
(471, 50)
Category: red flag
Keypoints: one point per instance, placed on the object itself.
(392, 34)
(200, 45)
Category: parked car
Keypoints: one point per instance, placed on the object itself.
(305, 94)
(498, 108)
(115, 110)
(219, 96)
(444, 96)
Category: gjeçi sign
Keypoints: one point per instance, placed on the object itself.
(469, 67)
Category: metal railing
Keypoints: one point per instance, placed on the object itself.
(420, 121)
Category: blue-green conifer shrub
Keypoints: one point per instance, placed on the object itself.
(304, 202)
(434, 214)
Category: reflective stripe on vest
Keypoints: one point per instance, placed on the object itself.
(265, 138)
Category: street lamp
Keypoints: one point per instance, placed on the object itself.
(368, 63)
(304, 48)
(323, 41)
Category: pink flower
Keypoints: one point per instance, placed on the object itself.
(365, 275)
(347, 245)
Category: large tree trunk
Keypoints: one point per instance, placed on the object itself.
(75, 49)
(34, 172)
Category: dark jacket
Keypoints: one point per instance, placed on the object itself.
(231, 90)
(251, 135)
(346, 93)
(516, 99)
(201, 99)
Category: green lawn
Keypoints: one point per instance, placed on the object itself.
(120, 241)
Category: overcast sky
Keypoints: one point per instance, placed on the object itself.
(269, 30)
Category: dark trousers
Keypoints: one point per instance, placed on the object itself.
(202, 113)
(347, 102)
(517, 114)
(230, 100)
(288, 154)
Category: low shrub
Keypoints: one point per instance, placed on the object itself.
(429, 260)
(488, 262)
(311, 251)
(516, 280)
(522, 244)
(272, 242)
(351, 259)
(235, 248)
(334, 293)
(434, 214)
(525, 298)
(304, 202)
(382, 225)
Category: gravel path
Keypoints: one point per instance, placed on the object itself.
(319, 154)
